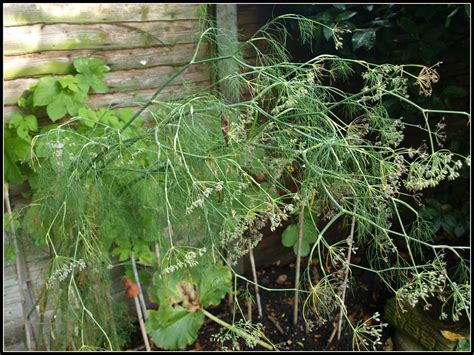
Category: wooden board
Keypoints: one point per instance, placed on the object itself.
(26, 14)
(56, 37)
(120, 81)
(61, 62)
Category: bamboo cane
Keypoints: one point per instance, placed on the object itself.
(137, 280)
(254, 272)
(298, 263)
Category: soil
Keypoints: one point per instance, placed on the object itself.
(365, 297)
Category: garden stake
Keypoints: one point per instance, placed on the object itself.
(298, 262)
(133, 291)
(249, 309)
(19, 271)
(137, 280)
(142, 324)
(346, 274)
(254, 272)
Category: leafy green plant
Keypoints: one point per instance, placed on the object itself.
(17, 140)
(182, 295)
(453, 220)
(66, 95)
(289, 237)
(206, 174)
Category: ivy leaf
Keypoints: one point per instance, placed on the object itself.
(173, 328)
(46, 91)
(363, 38)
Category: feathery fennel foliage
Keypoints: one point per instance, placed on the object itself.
(204, 176)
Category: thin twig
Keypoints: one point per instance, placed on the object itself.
(27, 323)
(137, 280)
(249, 309)
(276, 324)
(142, 324)
(298, 263)
(346, 276)
(331, 337)
(254, 272)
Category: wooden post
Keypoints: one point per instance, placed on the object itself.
(226, 19)
(27, 300)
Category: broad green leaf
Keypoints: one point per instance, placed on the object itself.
(454, 91)
(436, 225)
(459, 231)
(305, 248)
(290, 235)
(113, 121)
(363, 38)
(345, 15)
(83, 83)
(23, 133)
(12, 173)
(408, 25)
(57, 108)
(45, 91)
(98, 85)
(70, 106)
(448, 19)
(327, 33)
(213, 285)
(124, 114)
(91, 70)
(69, 82)
(16, 120)
(179, 333)
(20, 147)
(31, 122)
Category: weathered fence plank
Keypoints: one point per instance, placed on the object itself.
(60, 62)
(36, 38)
(119, 81)
(18, 14)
